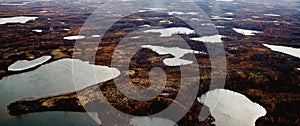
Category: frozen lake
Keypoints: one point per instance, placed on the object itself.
(25, 64)
(246, 32)
(15, 3)
(283, 49)
(76, 37)
(168, 32)
(51, 79)
(231, 108)
(18, 19)
(175, 51)
(209, 39)
(151, 121)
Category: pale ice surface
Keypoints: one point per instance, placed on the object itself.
(168, 32)
(207, 24)
(176, 62)
(76, 37)
(231, 108)
(283, 49)
(181, 13)
(143, 26)
(25, 64)
(96, 36)
(156, 9)
(15, 3)
(95, 117)
(51, 79)
(209, 39)
(163, 21)
(246, 32)
(175, 51)
(18, 19)
(272, 15)
(37, 30)
(225, 0)
(256, 17)
(220, 27)
(135, 37)
(220, 18)
(229, 13)
(43, 11)
(151, 121)
(139, 19)
(55, 78)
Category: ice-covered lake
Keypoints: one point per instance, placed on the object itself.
(151, 121)
(246, 32)
(168, 32)
(51, 79)
(75, 37)
(284, 49)
(15, 3)
(209, 39)
(18, 19)
(37, 30)
(231, 108)
(175, 51)
(25, 64)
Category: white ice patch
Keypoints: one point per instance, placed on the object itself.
(19, 19)
(283, 49)
(231, 108)
(168, 32)
(156, 9)
(195, 19)
(96, 36)
(272, 15)
(44, 11)
(176, 62)
(139, 19)
(224, 0)
(182, 13)
(55, 78)
(210, 39)
(17, 3)
(220, 18)
(255, 17)
(246, 32)
(220, 27)
(207, 24)
(135, 37)
(229, 13)
(175, 51)
(25, 64)
(169, 22)
(151, 121)
(76, 37)
(145, 26)
(37, 30)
